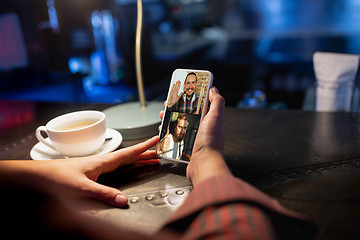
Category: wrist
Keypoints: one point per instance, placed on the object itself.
(206, 165)
(16, 172)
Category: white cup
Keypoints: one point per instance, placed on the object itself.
(75, 134)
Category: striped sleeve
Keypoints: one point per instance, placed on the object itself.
(229, 208)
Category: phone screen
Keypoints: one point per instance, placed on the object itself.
(187, 101)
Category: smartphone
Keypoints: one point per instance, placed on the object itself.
(186, 103)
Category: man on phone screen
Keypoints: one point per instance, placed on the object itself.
(187, 101)
(172, 145)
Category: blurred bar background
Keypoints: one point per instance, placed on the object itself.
(259, 51)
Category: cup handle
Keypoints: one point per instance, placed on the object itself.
(41, 138)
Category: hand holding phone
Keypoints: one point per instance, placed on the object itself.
(208, 153)
(186, 103)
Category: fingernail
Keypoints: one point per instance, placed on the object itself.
(214, 89)
(121, 200)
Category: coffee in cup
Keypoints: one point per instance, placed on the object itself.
(75, 134)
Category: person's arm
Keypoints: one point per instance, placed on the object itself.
(208, 152)
(227, 207)
(77, 176)
(222, 206)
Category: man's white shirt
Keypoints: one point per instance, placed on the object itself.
(175, 149)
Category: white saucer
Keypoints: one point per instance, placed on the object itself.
(113, 139)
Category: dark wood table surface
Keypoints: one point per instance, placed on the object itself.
(309, 161)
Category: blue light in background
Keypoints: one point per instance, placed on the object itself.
(53, 19)
(79, 65)
(74, 65)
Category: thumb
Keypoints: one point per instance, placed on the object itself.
(181, 93)
(107, 194)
